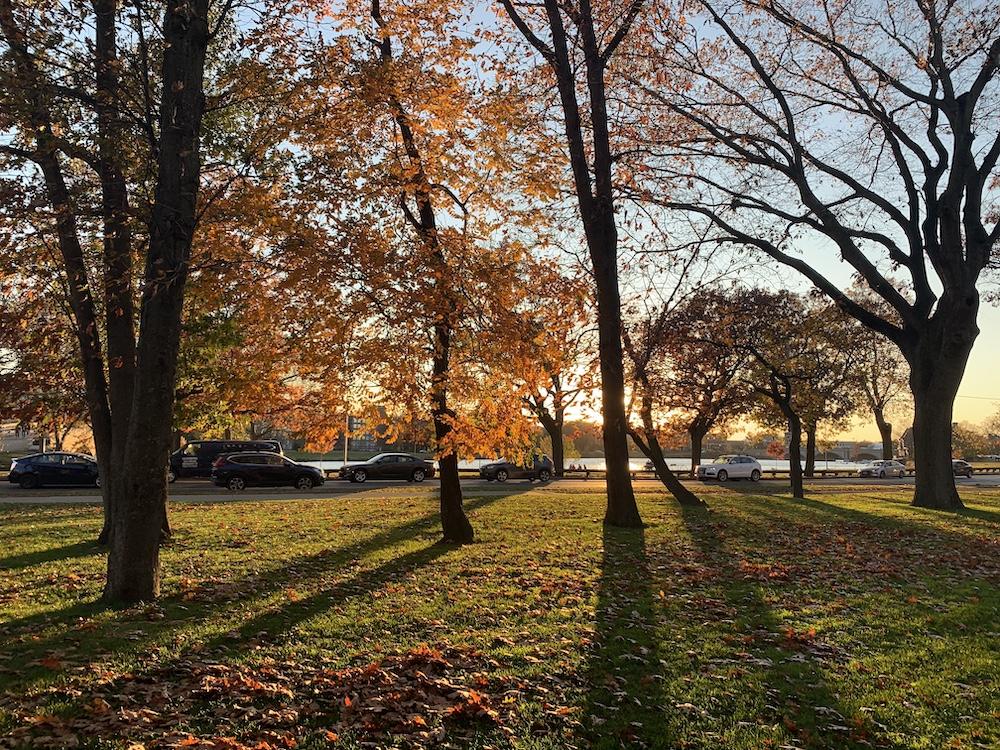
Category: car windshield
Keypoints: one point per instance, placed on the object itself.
(722, 460)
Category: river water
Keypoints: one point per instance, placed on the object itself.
(635, 464)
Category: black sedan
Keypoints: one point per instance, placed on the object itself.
(389, 466)
(500, 471)
(41, 469)
(237, 471)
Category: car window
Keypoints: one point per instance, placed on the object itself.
(387, 460)
(49, 458)
(75, 461)
(273, 459)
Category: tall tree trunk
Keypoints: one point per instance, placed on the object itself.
(885, 430)
(140, 510)
(559, 450)
(810, 450)
(455, 525)
(595, 197)
(558, 444)
(795, 453)
(119, 312)
(622, 509)
(697, 435)
(80, 289)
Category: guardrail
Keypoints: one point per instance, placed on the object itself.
(769, 473)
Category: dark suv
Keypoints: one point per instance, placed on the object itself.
(961, 468)
(41, 469)
(541, 468)
(238, 471)
(196, 458)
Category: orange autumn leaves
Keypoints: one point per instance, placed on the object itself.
(390, 135)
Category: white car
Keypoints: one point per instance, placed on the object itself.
(725, 468)
(883, 469)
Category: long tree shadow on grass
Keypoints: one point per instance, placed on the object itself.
(781, 673)
(624, 706)
(130, 631)
(51, 554)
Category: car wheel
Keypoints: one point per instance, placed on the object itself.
(755, 475)
(360, 475)
(502, 475)
(419, 475)
(171, 476)
(544, 475)
(29, 482)
(968, 474)
(723, 475)
(304, 483)
(97, 482)
(236, 484)
(881, 475)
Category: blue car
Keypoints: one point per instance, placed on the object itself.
(54, 469)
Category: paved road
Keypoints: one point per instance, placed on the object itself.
(197, 491)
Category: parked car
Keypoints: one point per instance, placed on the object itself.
(882, 469)
(541, 469)
(44, 469)
(961, 468)
(389, 466)
(197, 457)
(238, 471)
(725, 468)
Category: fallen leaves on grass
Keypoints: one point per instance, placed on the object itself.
(419, 698)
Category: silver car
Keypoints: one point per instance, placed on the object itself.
(883, 469)
(725, 468)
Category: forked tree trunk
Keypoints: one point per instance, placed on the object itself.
(139, 509)
(649, 444)
(553, 425)
(558, 449)
(795, 453)
(934, 385)
(810, 450)
(885, 430)
(697, 435)
(937, 363)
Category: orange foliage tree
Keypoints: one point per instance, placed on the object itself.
(421, 177)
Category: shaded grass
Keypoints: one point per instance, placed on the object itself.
(845, 620)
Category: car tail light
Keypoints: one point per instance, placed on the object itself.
(218, 462)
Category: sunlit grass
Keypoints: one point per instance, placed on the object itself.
(846, 620)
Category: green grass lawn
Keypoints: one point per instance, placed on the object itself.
(846, 620)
